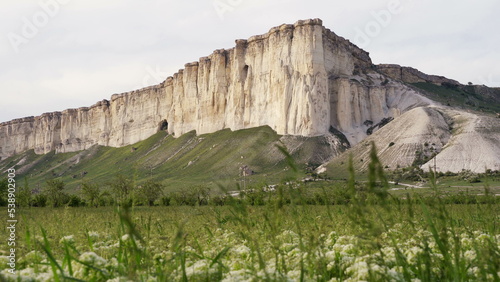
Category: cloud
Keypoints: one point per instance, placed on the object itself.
(89, 50)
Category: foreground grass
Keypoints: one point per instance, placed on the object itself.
(272, 242)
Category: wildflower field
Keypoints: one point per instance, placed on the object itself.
(238, 242)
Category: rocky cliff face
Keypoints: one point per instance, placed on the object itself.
(126, 119)
(411, 75)
(299, 79)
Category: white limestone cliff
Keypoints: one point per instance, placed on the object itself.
(298, 79)
(126, 119)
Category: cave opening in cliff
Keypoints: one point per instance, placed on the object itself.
(163, 125)
(245, 72)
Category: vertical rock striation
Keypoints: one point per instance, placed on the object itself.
(298, 79)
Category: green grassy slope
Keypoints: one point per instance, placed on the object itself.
(179, 163)
(466, 97)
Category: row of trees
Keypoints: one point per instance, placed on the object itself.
(416, 173)
(121, 190)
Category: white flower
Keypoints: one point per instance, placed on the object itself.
(396, 274)
(238, 275)
(331, 255)
(466, 242)
(4, 260)
(93, 259)
(389, 254)
(119, 279)
(242, 251)
(474, 271)
(45, 277)
(412, 254)
(484, 238)
(344, 249)
(93, 235)
(70, 240)
(287, 247)
(33, 257)
(29, 272)
(331, 238)
(359, 270)
(294, 275)
(200, 268)
(470, 255)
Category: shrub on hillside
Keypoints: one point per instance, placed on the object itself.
(469, 176)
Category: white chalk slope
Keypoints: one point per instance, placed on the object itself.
(449, 139)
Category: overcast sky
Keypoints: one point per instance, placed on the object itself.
(58, 54)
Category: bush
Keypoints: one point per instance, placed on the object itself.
(149, 192)
(197, 195)
(165, 200)
(469, 176)
(39, 200)
(105, 199)
(122, 188)
(219, 200)
(55, 194)
(75, 201)
(254, 197)
(24, 195)
(3, 192)
(91, 193)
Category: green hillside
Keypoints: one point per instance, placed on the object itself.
(179, 163)
(474, 97)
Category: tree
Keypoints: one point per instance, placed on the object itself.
(202, 194)
(24, 195)
(91, 193)
(55, 193)
(4, 184)
(122, 188)
(106, 199)
(152, 191)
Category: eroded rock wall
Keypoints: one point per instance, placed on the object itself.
(356, 106)
(276, 79)
(298, 79)
(126, 119)
(411, 75)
